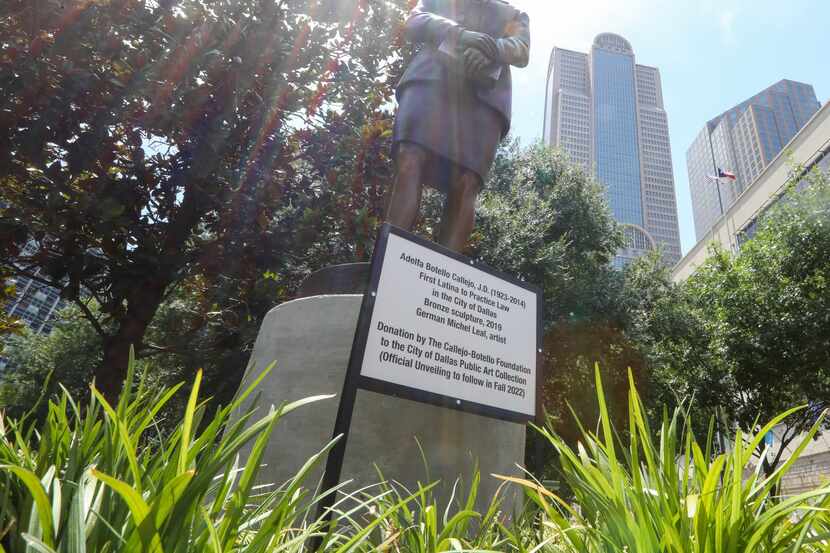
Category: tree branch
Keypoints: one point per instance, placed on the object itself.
(90, 316)
(158, 350)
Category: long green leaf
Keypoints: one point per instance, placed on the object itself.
(139, 509)
(187, 423)
(41, 501)
(36, 544)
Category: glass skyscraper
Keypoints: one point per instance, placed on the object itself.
(743, 141)
(606, 112)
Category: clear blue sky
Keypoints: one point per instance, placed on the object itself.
(711, 55)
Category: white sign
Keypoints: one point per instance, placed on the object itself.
(448, 328)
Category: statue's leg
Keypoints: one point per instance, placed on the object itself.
(460, 210)
(405, 201)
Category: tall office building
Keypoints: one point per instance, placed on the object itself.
(743, 141)
(606, 112)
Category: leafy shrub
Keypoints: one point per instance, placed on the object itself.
(101, 478)
(673, 493)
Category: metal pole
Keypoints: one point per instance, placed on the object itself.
(717, 174)
(334, 463)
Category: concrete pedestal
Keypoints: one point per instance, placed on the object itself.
(311, 339)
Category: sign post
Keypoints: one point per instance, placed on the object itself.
(437, 328)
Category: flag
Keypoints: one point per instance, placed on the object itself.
(722, 175)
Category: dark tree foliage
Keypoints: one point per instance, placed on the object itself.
(150, 144)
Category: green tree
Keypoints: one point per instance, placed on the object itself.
(147, 143)
(543, 219)
(43, 364)
(749, 334)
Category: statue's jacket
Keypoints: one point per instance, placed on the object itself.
(431, 22)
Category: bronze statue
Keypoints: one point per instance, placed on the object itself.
(454, 106)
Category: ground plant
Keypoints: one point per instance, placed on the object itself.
(100, 477)
(667, 490)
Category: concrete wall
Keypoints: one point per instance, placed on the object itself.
(808, 473)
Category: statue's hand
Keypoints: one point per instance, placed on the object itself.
(482, 42)
(474, 62)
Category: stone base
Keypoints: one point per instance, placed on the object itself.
(311, 339)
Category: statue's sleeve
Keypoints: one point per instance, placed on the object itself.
(514, 48)
(423, 25)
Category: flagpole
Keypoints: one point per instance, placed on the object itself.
(717, 174)
(720, 200)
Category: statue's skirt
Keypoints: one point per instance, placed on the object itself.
(451, 122)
